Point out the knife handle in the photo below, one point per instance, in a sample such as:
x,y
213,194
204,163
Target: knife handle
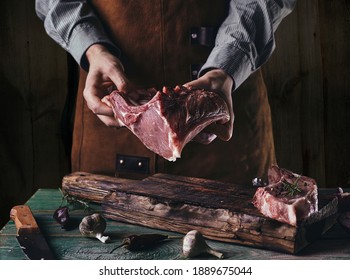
x,y
24,220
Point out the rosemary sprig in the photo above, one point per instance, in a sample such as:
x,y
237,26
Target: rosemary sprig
x,y
291,188
75,203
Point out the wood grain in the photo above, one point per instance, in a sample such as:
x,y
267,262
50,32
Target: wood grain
x,y
312,98
283,80
308,86
93,190
335,42
24,220
294,78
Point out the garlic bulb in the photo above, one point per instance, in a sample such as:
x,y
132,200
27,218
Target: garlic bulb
x,y
94,226
194,245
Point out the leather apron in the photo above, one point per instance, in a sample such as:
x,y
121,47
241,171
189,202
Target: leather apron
x,y
159,48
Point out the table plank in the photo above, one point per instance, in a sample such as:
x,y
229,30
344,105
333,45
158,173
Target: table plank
x,y
335,244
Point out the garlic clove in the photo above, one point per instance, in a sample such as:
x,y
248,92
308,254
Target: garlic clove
x,y
94,226
215,253
194,244
103,239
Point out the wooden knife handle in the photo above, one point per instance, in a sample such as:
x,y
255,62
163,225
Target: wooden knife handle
x,y
24,220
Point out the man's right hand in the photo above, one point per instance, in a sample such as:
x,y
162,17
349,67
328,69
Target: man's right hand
x,y
218,81
105,71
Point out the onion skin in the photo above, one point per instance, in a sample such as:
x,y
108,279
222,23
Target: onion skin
x,y
61,215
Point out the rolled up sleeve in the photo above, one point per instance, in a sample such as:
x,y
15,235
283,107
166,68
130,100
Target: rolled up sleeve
x,y
245,39
74,26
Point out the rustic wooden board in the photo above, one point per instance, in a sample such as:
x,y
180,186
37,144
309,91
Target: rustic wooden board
x,y
220,210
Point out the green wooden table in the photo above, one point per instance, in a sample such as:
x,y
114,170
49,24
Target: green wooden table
x,y
335,244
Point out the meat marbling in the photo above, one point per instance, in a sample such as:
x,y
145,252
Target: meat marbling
x,y
289,198
171,117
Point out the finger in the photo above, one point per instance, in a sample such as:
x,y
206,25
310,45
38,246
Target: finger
x,y
196,84
110,121
95,104
223,131
140,96
118,77
204,137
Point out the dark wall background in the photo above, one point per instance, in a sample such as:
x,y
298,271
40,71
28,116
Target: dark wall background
x,y
309,89
307,78
33,88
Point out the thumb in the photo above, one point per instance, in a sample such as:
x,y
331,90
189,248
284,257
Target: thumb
x,y
196,84
117,76
223,131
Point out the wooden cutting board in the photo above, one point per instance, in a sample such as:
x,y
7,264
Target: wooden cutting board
x,y
220,210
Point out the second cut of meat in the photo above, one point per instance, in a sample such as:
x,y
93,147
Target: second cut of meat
x,y
289,198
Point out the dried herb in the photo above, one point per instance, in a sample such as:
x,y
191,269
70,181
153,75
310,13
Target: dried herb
x,y
291,188
75,203
61,214
143,241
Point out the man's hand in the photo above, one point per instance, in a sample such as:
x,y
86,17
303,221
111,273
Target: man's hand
x,y
218,81
105,71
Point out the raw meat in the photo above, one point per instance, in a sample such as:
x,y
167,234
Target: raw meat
x,y
171,118
288,197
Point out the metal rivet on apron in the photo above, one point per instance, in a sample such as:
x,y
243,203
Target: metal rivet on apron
x,y
132,164
204,36
194,70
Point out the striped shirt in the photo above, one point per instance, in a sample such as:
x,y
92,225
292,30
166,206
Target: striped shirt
x,y
244,41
